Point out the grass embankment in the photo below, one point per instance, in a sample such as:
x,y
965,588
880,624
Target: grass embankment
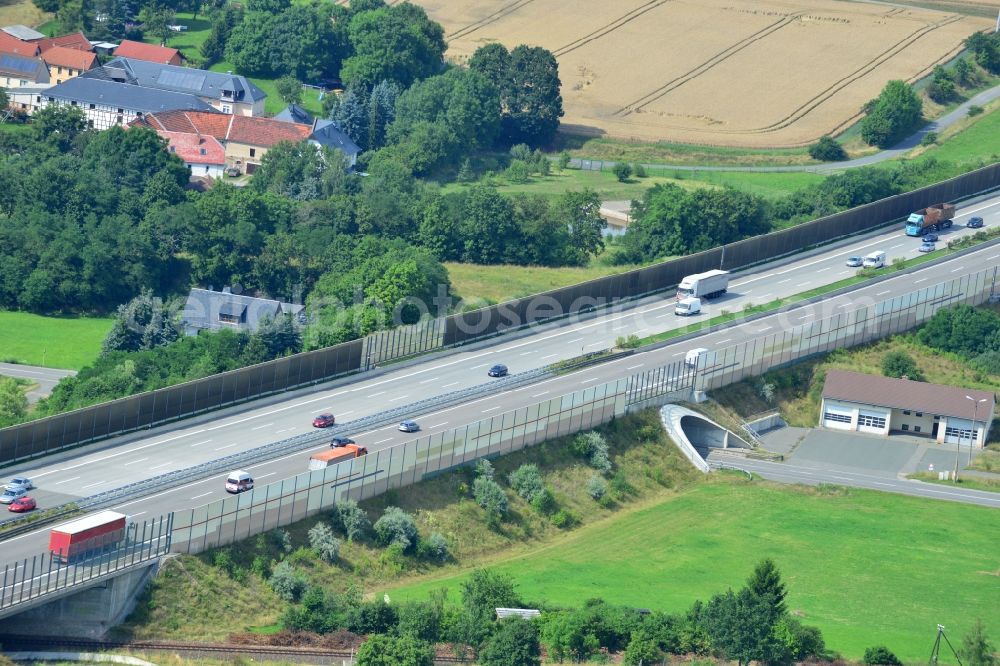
x,y
178,606
967,482
22,12
865,567
55,342
496,284
797,388
665,152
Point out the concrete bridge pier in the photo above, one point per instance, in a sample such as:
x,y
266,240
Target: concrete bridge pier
x,y
89,613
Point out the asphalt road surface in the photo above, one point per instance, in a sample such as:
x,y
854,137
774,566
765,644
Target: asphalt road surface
x,y
111,464
44,379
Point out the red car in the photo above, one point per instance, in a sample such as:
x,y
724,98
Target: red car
x,y
22,504
323,421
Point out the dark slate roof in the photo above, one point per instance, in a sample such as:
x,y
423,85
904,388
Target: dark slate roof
x,y
24,67
188,80
293,113
204,306
84,90
937,399
326,133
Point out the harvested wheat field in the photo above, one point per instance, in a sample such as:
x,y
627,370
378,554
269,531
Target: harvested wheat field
x,y
748,73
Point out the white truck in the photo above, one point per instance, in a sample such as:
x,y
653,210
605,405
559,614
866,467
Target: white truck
x,y
703,285
687,307
875,260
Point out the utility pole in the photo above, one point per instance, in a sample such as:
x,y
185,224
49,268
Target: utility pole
x,y
975,417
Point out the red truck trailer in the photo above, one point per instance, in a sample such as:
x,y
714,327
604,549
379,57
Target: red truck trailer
x,y
85,535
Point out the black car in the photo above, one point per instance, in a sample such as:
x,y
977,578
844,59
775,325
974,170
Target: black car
x,y
974,222
930,238
341,441
498,370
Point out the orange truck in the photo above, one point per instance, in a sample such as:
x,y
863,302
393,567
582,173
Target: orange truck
x,y
335,455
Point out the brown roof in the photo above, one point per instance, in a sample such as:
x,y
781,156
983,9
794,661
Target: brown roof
x,y
905,394
195,149
74,40
250,130
11,44
62,56
149,52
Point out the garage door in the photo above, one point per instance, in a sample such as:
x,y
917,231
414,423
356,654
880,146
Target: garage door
x,y
841,418
959,432
872,422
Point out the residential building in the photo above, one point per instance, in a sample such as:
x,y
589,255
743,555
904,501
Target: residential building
x,y
881,405
23,78
23,33
13,45
74,40
206,309
225,92
109,103
203,154
324,132
246,139
149,52
64,62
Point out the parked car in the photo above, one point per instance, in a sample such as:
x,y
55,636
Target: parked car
x,y
324,421
340,441
22,504
10,495
974,222
20,482
409,426
854,262
930,238
498,370
233,172
927,247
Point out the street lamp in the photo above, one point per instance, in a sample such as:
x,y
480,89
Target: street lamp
x,y
975,415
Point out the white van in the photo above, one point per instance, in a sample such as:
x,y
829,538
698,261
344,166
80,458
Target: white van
x,y
688,306
691,358
238,481
875,260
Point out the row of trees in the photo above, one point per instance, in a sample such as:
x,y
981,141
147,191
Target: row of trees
x,y
972,333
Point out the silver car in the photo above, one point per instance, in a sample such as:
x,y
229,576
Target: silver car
x,y
409,426
11,495
854,261
19,482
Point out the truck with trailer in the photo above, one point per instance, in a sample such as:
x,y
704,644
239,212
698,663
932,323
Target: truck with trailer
x,y
86,536
335,455
703,285
932,218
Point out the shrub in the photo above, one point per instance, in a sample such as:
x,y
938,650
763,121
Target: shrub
x,y
434,547
372,617
638,170
526,481
899,364
827,150
354,519
622,171
521,151
975,110
484,469
597,487
563,519
323,541
544,502
929,139
592,445
491,497
564,160
396,527
280,539
631,342
286,582
620,487
383,650
518,172
880,656
420,619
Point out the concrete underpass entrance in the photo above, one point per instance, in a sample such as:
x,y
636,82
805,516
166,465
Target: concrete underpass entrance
x,y
696,435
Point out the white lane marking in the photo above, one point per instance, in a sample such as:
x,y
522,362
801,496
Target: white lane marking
x,y
569,342
958,269
663,315
133,515
346,413
228,446
278,432
166,464
400,397
528,352
893,247
492,409
264,476
677,354
452,384
264,425
132,462
820,270
843,305
428,381
995,256
920,280
549,356
883,293
124,453
590,379
538,395
722,342
91,485
59,483
376,394
887,485
204,441
382,441
633,367
476,367
438,425
203,495
784,281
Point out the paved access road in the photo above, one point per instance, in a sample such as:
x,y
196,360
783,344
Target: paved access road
x,y
45,379
83,472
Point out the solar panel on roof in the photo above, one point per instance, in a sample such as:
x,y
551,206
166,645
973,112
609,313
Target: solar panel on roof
x,y
15,64
183,80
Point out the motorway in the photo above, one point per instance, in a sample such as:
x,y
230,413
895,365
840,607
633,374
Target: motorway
x,y
111,464
790,472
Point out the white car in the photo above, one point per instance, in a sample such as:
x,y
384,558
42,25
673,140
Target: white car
x,y
19,483
11,495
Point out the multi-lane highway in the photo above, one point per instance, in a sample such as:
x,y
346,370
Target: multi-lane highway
x,y
111,464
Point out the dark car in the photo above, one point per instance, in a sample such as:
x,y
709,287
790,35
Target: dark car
x,y
22,504
341,441
930,238
324,421
974,222
498,370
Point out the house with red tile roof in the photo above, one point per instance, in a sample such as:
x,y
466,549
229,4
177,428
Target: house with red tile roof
x,y
149,52
74,40
202,153
65,63
14,46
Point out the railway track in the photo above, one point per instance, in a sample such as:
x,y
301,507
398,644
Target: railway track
x,y
305,655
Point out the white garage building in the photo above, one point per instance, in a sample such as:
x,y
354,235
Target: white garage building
x,y
880,405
